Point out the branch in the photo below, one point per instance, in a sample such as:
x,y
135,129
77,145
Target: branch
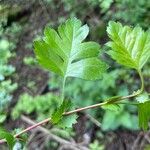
x,y
82,109
65,114
53,136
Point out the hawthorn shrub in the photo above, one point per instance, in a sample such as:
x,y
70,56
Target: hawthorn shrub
x,y
64,53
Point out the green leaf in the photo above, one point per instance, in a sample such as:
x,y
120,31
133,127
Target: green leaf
x,y
109,121
9,138
142,97
113,107
63,52
64,121
113,99
112,121
144,114
111,104
57,116
68,121
129,46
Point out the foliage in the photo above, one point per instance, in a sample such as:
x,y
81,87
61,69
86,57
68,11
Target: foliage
x,y
142,97
116,82
6,86
7,44
120,118
96,146
130,46
65,55
94,92
30,61
60,120
128,11
133,12
5,70
57,116
74,8
133,55
36,104
144,114
105,4
8,137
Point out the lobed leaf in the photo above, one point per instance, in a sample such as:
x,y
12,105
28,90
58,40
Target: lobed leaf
x,y
129,46
68,121
64,121
63,52
57,116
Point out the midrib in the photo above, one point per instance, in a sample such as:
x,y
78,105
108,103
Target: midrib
x,y
68,62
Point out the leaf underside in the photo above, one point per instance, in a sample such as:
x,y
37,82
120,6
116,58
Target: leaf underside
x,y
129,46
63,52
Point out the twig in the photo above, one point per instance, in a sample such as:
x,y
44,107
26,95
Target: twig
x,y
65,114
82,109
29,139
95,121
52,136
137,141
147,138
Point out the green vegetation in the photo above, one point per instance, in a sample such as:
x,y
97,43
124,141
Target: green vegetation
x,y
36,104
130,47
133,55
6,70
66,56
128,11
87,84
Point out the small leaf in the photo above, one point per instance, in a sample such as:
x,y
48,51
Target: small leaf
x,y
130,46
113,107
57,116
68,121
111,104
9,138
64,121
142,98
113,99
144,114
63,52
